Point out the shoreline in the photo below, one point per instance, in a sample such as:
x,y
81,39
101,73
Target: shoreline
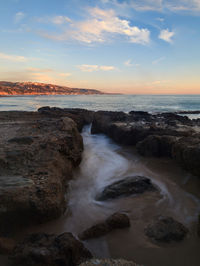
x,y
41,136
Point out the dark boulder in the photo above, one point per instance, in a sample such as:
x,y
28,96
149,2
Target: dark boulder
x,y
118,220
115,221
166,229
50,250
128,186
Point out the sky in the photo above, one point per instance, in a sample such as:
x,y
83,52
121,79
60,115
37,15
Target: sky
x,y
122,46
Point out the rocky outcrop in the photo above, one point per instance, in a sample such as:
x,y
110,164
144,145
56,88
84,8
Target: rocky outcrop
x,y
166,229
80,116
115,221
165,134
136,126
128,186
37,157
108,262
50,250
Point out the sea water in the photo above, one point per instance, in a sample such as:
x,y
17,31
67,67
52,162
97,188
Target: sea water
x,y
126,103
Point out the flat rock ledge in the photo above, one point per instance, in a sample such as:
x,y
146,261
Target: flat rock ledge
x,y
49,250
115,221
131,185
166,229
108,262
37,158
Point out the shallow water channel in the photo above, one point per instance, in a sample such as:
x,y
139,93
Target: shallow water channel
x,y
104,163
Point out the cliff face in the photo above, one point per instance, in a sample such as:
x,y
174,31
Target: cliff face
x,y
34,88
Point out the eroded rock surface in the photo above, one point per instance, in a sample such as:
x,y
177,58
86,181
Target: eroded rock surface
x,y
128,186
37,156
166,229
50,250
115,221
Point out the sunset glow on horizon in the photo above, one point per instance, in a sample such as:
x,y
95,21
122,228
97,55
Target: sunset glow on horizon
x,y
116,46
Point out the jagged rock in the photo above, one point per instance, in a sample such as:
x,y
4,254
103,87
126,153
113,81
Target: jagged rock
x,y
50,250
6,245
37,156
157,146
166,229
128,186
108,262
115,221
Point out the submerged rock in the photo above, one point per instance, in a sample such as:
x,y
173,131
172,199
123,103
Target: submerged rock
x,y
115,221
108,262
166,229
50,250
128,186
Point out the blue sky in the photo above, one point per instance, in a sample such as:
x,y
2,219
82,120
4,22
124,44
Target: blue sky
x,y
128,46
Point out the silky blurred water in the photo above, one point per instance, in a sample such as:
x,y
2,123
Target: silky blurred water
x,y
126,103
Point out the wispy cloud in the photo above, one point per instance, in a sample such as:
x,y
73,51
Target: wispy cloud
x,y
92,68
39,71
129,63
14,58
60,20
19,16
101,26
157,5
166,35
158,60
35,69
64,74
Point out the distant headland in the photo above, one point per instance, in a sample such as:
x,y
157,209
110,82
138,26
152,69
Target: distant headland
x,y
35,88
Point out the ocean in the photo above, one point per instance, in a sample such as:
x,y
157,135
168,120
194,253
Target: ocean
x,y
126,103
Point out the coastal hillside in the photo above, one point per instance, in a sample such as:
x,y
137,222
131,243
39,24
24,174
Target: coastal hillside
x,y
35,88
